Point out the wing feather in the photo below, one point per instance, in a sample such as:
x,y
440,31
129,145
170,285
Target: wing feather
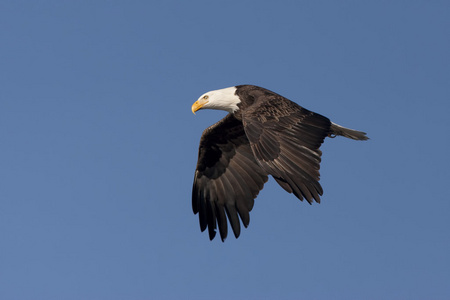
x,y
285,139
227,178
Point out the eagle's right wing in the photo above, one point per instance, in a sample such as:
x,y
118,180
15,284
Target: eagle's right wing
x,y
227,178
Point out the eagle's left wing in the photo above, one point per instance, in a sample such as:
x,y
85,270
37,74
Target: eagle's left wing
x,y
285,140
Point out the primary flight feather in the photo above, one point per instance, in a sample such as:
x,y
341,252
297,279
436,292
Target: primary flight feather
x,y
263,134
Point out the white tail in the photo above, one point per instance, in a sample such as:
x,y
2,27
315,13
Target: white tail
x,y
348,133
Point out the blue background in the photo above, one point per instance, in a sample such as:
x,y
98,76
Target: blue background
x,y
98,148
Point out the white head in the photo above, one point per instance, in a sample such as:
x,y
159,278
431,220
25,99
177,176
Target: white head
x,y
224,99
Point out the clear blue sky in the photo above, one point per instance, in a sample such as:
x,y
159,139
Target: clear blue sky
x,y
98,147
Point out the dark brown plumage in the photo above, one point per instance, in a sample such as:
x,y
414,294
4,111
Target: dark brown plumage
x,y
265,134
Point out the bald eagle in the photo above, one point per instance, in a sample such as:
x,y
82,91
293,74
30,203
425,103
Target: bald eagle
x,y
263,134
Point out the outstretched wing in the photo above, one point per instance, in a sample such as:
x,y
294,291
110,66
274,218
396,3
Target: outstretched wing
x,y
285,139
227,178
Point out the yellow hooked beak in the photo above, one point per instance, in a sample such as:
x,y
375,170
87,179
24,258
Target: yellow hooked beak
x,y
198,105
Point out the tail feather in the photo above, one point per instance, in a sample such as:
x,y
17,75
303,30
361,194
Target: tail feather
x,y
347,132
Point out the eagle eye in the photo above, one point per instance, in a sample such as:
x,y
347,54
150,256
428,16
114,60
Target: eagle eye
x,y
206,97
